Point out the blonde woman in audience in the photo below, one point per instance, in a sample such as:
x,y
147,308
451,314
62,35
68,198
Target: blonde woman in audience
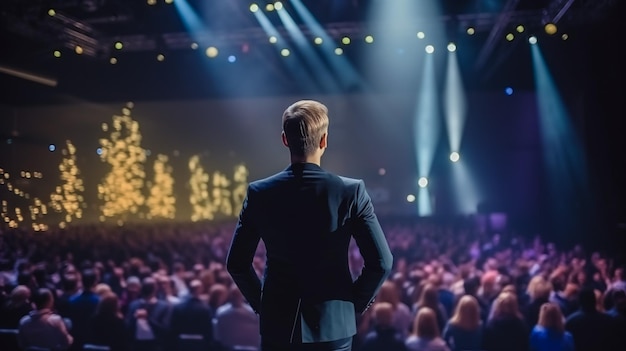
x,y
430,298
425,335
506,329
464,331
401,318
549,334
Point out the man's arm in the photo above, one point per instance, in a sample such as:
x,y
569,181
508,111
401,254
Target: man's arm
x,y
241,254
373,246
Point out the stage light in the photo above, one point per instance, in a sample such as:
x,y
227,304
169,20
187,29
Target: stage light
x,y
338,51
78,49
471,31
382,171
99,151
510,37
212,52
232,58
550,28
564,36
429,49
422,182
273,39
52,147
113,60
520,29
169,1
57,53
410,198
318,41
254,8
532,40
508,91
119,45
51,12
421,35
369,39
345,41
151,2
160,57
452,47
455,157
269,7
285,52
278,5
194,46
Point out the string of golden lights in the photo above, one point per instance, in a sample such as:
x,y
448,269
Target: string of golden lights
x,y
161,201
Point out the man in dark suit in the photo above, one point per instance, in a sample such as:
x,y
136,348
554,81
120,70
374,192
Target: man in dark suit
x,y
306,218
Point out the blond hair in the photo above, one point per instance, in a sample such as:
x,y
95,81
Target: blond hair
x,y
506,306
467,313
304,124
383,314
550,317
425,324
389,293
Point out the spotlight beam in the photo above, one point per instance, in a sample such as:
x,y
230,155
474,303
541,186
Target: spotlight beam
x,y
310,56
340,65
454,103
302,76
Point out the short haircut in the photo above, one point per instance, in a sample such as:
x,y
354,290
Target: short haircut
x,y
304,124
89,278
42,298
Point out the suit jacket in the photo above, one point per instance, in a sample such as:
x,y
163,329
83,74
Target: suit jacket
x,y
306,218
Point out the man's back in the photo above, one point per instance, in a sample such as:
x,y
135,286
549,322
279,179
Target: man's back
x,y
306,217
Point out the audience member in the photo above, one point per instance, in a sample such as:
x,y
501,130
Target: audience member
x,y
147,319
106,326
425,336
384,337
464,331
191,323
506,329
236,324
591,329
549,334
42,328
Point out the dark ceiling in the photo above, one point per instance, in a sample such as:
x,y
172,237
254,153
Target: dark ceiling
x,y
29,36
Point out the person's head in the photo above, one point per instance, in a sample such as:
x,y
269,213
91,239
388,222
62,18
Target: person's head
x,y
389,293
550,317
425,324
505,306
102,289
467,313
383,315
305,128
148,288
133,286
218,295
471,285
235,296
539,289
89,279
108,305
196,288
587,299
43,299
429,297
20,294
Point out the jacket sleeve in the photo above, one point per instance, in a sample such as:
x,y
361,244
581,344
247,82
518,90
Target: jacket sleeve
x,y
241,254
373,246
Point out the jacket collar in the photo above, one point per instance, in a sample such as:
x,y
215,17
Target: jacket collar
x,y
303,166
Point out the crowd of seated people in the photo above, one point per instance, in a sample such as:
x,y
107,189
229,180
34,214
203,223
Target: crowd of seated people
x,y
164,287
